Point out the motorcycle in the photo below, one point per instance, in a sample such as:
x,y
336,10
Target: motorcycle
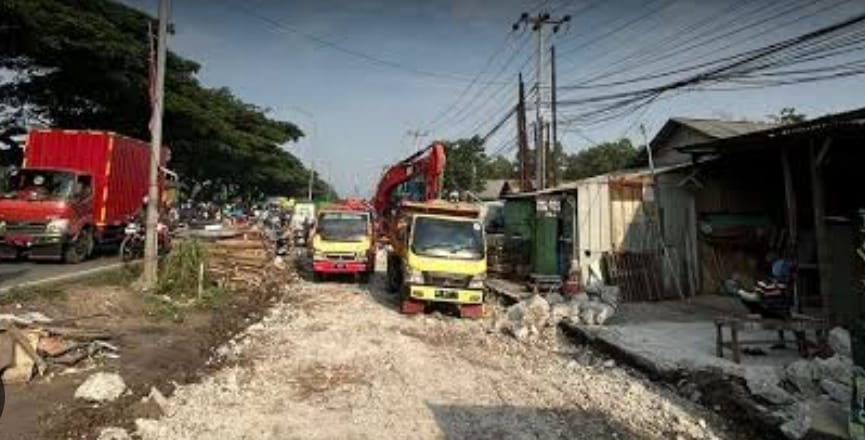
x,y
132,246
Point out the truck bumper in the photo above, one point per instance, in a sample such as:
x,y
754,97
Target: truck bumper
x,y
326,266
41,246
442,294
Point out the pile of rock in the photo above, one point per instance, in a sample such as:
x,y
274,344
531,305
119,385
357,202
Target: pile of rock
x,y
830,377
595,306
528,317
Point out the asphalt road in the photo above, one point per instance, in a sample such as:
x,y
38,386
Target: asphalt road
x,y
15,273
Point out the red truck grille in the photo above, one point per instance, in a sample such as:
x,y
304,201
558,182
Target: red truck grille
x,y
340,256
25,228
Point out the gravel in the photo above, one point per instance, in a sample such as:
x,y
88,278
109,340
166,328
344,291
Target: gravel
x,y
337,361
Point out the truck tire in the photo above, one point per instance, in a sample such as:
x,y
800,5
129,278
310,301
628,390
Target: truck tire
x,y
78,250
364,277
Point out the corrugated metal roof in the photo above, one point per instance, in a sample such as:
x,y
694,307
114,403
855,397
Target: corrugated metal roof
x,y
852,121
720,129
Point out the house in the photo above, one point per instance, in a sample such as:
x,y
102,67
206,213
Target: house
x,y
679,132
495,189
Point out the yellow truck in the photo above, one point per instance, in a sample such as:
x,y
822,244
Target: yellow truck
x,y
437,256
342,242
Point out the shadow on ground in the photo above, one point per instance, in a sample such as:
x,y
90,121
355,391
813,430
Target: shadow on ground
x,y
513,422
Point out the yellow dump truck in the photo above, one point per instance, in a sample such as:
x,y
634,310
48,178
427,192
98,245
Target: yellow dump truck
x,y
437,256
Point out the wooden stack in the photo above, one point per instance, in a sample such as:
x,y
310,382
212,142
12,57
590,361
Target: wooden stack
x,y
239,261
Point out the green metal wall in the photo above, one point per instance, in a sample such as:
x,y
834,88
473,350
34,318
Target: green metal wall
x,y
546,241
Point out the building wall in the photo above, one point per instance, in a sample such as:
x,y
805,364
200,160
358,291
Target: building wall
x,y
666,154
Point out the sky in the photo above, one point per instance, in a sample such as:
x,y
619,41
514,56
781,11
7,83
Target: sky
x,y
359,75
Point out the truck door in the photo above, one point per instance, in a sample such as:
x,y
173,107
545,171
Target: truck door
x,y
82,202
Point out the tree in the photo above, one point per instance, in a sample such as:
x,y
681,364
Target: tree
x,y
465,165
788,115
84,64
600,159
499,167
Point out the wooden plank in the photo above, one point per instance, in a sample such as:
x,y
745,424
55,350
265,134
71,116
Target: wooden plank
x,y
824,263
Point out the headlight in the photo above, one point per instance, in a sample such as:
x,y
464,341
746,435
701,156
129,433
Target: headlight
x,y
477,281
361,256
318,255
413,276
2,227
58,226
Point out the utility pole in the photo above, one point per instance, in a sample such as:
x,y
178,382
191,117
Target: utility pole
x,y
538,24
149,275
522,137
554,119
417,135
311,180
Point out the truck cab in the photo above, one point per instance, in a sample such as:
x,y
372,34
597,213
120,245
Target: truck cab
x,y
47,212
439,257
342,243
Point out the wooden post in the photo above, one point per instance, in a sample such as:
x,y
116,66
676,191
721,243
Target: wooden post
x,y
824,263
792,219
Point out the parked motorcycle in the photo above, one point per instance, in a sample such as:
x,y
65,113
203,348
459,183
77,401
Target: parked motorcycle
x,y
132,246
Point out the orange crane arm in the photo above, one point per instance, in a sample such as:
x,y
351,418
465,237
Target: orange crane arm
x,y
428,163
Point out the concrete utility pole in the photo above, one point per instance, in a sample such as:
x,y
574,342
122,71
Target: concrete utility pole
x,y
538,23
149,276
417,135
311,181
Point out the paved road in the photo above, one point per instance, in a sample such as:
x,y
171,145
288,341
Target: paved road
x,y
15,273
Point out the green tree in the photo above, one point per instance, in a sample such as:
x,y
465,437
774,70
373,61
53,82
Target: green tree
x,y
600,159
84,64
499,167
788,115
464,165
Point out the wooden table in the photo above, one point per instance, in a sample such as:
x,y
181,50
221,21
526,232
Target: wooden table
x,y
798,324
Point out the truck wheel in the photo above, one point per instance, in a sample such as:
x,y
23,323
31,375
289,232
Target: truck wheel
x,y
316,276
364,278
78,250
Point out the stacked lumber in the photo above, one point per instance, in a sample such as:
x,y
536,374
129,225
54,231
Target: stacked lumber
x,y
238,261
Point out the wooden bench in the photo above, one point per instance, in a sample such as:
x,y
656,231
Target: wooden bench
x,y
798,324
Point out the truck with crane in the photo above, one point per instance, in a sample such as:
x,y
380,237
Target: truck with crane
x,y
436,248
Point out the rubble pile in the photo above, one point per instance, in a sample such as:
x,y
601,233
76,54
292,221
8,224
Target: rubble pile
x,y
33,344
528,317
830,377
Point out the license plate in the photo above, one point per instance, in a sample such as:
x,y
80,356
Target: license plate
x,y
340,265
446,294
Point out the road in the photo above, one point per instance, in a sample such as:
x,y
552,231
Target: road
x,y
13,274
336,361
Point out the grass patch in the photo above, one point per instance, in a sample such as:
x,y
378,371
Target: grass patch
x,y
124,276
214,297
29,293
164,309
179,272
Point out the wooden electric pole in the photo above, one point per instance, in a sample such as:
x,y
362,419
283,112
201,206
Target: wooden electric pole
x,y
522,137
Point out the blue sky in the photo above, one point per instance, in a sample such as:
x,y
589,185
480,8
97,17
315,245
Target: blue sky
x,y
357,113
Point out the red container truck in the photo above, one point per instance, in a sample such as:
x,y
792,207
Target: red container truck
x,y
76,189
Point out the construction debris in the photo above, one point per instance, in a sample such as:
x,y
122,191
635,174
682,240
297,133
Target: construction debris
x,y
101,387
113,433
26,318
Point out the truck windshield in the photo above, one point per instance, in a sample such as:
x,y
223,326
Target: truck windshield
x,y
437,237
38,185
342,226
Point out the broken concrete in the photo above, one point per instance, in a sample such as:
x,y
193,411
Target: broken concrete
x,y
801,374
839,340
113,433
798,420
837,392
101,387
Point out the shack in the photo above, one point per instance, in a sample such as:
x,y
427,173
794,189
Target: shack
x,y
790,191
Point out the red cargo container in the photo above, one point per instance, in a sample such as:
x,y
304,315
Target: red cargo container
x,y
75,189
